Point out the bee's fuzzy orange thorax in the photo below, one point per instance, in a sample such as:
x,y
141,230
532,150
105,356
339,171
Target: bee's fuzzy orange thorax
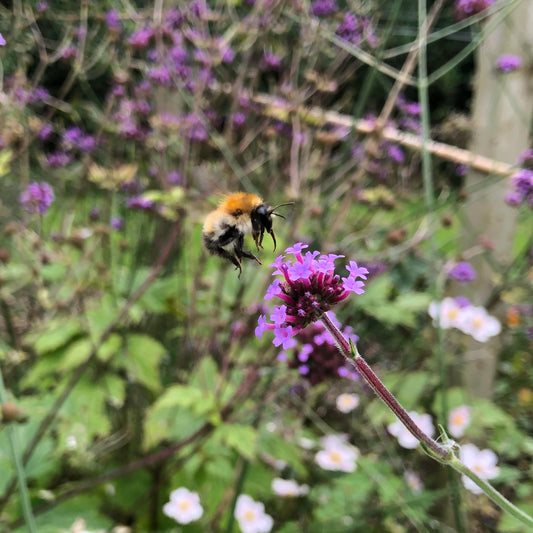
x,y
240,201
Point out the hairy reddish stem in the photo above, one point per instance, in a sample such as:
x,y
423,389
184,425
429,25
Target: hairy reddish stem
x,y
377,386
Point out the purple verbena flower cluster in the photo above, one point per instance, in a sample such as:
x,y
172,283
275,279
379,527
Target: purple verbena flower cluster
x,y
308,287
316,357
37,197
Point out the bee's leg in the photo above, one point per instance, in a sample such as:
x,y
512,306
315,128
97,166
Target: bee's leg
x,y
215,248
241,252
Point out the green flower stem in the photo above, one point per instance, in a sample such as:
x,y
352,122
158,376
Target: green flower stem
x,y
444,454
492,493
14,446
437,451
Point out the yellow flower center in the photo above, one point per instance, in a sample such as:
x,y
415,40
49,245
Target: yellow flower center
x,y
335,456
458,419
477,322
452,314
184,505
249,515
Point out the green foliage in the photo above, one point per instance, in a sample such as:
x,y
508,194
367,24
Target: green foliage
x,y
400,310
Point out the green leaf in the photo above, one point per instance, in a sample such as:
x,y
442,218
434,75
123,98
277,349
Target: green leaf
x,y
64,515
170,424
84,413
75,354
109,347
178,396
58,332
205,375
400,311
142,357
102,317
53,272
241,438
282,449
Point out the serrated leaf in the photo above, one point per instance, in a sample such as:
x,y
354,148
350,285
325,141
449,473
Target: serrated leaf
x,y
109,347
101,317
75,354
241,438
282,449
57,334
142,357
178,396
170,423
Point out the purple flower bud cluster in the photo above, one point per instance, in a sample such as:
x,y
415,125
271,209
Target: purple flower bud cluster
x,y
37,197
316,357
308,287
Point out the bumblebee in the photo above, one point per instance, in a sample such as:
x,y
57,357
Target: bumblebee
x,y
238,214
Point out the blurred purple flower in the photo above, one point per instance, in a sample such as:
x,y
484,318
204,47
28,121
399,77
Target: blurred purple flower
x,y
349,29
198,8
160,75
174,177
196,131
462,301
117,223
354,29
238,119
112,20
513,198
140,202
526,159
466,8
463,272
45,132
57,159
39,94
2,40
141,38
270,61
37,197
74,137
42,6
94,213
508,63
395,153
522,181
323,8
69,52
461,169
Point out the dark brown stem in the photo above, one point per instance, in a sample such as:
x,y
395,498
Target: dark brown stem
x,y
438,451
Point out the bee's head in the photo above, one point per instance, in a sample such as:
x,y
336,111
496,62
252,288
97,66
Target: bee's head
x,y
262,221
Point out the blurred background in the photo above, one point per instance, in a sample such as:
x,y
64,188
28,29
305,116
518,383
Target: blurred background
x,y
129,362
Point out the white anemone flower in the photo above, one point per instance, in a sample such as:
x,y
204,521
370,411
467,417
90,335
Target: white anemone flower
x,y
251,515
184,506
482,462
405,439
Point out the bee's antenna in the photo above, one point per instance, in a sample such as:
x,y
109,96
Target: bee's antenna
x,y
272,209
